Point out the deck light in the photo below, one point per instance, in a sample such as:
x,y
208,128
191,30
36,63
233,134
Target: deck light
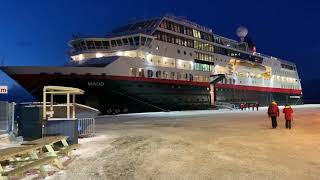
x,y
99,55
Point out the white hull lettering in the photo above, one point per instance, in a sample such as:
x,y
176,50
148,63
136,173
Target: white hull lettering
x,y
96,84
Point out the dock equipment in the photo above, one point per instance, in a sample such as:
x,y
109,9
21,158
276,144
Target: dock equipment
x,y
35,155
60,90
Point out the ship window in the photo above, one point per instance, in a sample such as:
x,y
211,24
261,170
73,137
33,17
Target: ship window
x,y
150,73
98,44
148,42
172,75
190,77
143,41
131,41
90,44
133,72
165,75
76,46
113,43
178,76
158,74
83,45
119,43
136,40
106,44
125,41
141,72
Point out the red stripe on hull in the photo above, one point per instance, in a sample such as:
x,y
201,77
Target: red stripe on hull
x,y
28,77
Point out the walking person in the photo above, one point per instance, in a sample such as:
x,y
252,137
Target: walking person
x,y
288,115
241,106
257,106
273,112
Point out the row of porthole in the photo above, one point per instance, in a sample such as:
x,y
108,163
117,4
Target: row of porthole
x,y
184,52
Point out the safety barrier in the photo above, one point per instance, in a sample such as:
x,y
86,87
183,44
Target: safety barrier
x,y
225,105
86,126
6,117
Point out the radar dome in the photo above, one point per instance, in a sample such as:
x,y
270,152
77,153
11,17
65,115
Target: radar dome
x,y
242,32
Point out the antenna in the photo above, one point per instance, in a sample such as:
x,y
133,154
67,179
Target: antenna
x,y
242,32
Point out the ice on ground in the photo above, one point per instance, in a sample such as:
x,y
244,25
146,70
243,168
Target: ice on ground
x,y
201,145
9,140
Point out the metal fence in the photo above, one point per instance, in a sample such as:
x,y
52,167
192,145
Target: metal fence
x,y
6,117
86,126
225,105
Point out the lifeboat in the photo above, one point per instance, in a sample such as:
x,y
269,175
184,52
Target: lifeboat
x,y
248,67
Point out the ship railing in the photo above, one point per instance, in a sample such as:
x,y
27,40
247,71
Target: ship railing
x,y
275,58
189,23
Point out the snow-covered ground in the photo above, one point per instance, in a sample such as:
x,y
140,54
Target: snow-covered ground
x,y
200,145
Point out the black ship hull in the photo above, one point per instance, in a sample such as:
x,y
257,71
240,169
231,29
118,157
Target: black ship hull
x,y
118,94
122,95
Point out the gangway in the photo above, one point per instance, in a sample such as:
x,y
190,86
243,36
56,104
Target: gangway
x,y
214,79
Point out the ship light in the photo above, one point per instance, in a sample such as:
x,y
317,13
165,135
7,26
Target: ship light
x,y
148,56
80,57
99,55
165,60
119,53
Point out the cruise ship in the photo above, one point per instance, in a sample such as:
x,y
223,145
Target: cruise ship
x,y
164,64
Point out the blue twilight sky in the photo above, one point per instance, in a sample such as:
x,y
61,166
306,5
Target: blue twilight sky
x,y
36,32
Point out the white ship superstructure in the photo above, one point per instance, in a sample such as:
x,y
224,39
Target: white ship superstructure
x,y
166,63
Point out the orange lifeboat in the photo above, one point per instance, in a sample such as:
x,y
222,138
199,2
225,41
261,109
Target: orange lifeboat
x,y
248,67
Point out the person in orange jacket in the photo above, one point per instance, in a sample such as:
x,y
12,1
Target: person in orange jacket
x,y
273,112
288,115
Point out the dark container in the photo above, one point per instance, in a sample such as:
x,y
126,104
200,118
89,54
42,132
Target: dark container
x,y
63,127
30,125
29,122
